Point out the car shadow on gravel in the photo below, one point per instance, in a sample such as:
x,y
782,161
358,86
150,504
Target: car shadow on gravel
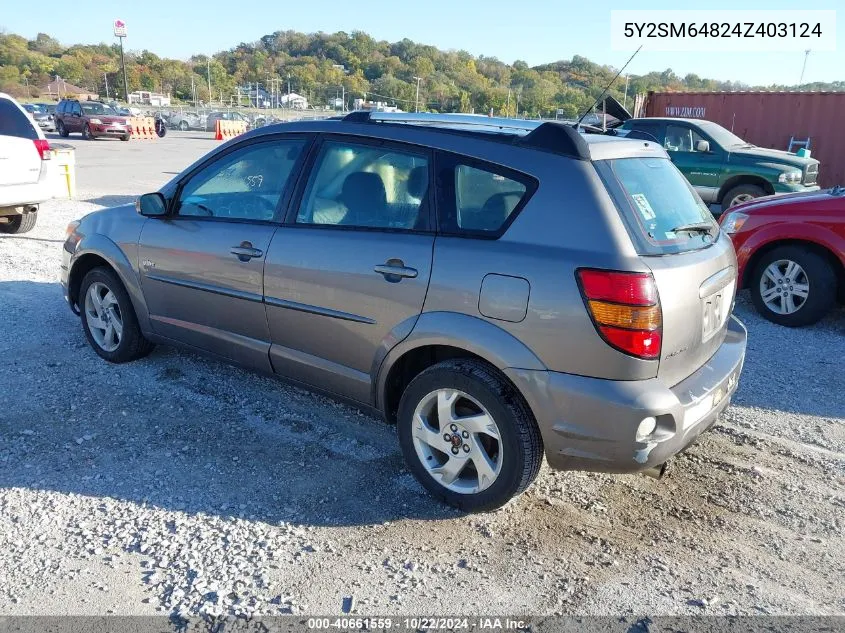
x,y
795,370
187,434
112,201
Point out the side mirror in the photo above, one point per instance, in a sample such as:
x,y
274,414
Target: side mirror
x,y
151,205
702,146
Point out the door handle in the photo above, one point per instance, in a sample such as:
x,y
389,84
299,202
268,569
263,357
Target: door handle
x,y
394,270
245,251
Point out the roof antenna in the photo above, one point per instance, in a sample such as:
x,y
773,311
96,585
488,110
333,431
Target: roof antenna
x,y
604,92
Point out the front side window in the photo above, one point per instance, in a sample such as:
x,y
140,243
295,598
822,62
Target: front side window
x,y
366,186
246,184
680,138
479,199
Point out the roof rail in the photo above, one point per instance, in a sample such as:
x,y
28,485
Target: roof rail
x,y
549,136
427,118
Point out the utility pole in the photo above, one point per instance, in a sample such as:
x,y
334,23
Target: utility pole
x,y
193,92
289,86
106,81
508,109
804,67
123,65
417,101
343,98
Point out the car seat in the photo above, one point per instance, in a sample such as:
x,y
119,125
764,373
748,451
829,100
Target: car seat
x,y
365,198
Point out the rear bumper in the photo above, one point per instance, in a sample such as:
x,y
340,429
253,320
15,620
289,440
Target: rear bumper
x,y
591,423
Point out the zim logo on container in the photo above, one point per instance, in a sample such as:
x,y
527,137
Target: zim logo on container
x,y
687,112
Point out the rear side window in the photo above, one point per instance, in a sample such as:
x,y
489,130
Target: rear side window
x,y
13,122
367,186
479,199
655,201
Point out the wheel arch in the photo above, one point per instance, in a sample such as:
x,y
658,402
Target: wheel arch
x,y
820,249
744,179
98,250
439,336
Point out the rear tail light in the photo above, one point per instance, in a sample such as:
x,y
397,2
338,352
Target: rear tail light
x,y
625,309
43,148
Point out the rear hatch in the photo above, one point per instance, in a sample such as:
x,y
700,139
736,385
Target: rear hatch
x,y
693,263
20,162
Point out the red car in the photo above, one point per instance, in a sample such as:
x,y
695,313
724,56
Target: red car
x,y
790,251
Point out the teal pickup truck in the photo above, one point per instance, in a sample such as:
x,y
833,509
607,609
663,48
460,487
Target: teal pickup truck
x,y
723,168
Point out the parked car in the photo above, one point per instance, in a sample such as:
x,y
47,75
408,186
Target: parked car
x,y
43,119
791,254
92,119
723,168
24,168
186,121
499,296
213,117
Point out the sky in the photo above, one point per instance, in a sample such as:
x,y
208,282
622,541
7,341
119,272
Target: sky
x,y
536,31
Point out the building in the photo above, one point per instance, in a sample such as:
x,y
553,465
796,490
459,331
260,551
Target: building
x,y
144,97
293,100
59,89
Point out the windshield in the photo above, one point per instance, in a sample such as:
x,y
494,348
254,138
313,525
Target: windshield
x,y
656,203
722,136
97,108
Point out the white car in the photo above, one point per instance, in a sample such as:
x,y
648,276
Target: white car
x,y
24,170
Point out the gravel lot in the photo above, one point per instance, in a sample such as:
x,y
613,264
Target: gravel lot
x,y
180,485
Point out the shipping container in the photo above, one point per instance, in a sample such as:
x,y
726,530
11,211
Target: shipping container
x,y
769,119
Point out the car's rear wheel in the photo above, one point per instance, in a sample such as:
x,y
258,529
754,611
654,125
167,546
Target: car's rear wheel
x,y
467,436
183,125
61,129
86,133
108,318
740,194
19,223
793,286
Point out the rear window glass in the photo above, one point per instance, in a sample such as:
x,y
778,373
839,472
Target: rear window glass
x,y
13,122
656,202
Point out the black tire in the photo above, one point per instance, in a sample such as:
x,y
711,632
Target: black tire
x,y
86,133
125,137
20,223
62,130
183,125
752,191
820,277
522,445
132,344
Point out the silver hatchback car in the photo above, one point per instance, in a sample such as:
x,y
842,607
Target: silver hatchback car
x,y
501,290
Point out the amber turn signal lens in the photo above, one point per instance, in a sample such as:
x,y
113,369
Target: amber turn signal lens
x,y
629,317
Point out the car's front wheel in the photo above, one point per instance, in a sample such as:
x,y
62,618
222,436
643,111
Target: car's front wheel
x,y
740,194
793,286
183,125
108,318
62,130
467,436
86,133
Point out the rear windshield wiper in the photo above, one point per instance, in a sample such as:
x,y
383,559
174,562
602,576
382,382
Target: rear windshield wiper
x,y
695,227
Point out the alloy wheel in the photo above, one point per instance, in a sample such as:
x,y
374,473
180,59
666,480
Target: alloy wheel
x,y
102,314
457,441
784,286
